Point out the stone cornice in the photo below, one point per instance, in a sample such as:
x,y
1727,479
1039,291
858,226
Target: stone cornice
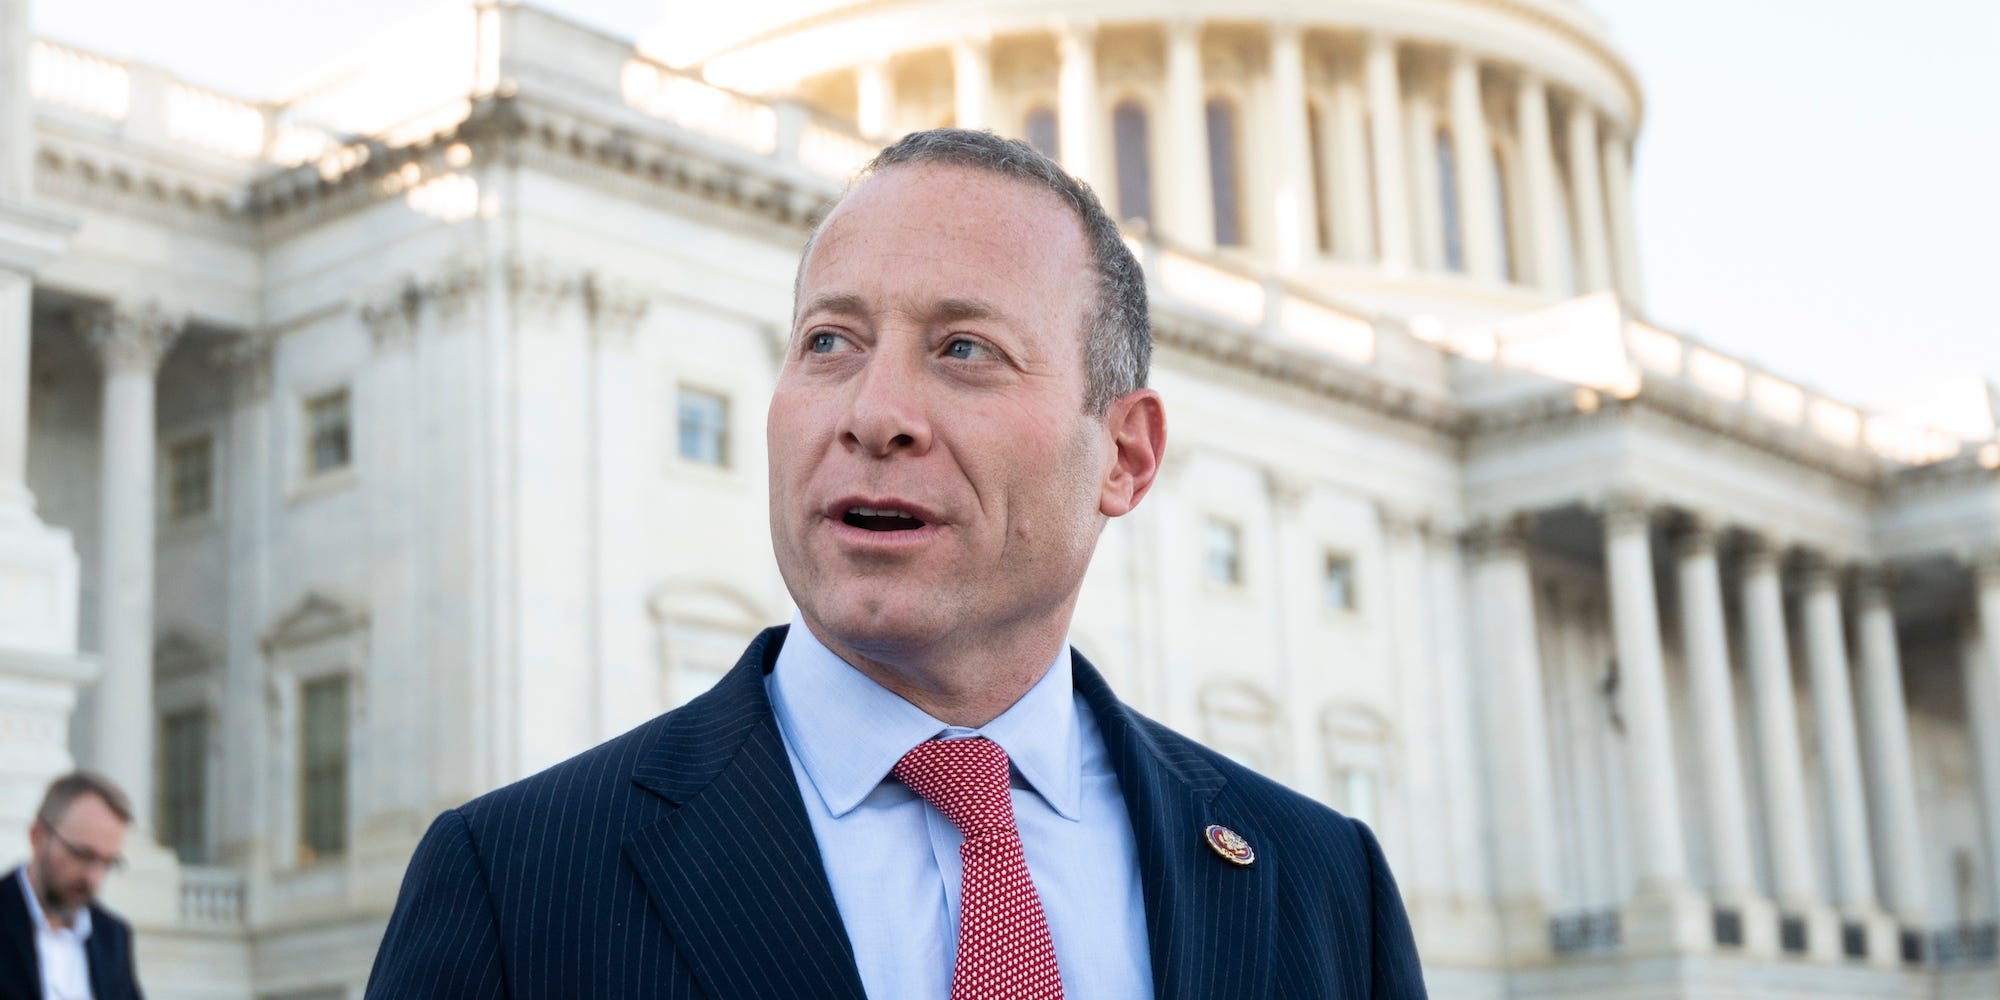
x,y
1556,411
1253,352
78,163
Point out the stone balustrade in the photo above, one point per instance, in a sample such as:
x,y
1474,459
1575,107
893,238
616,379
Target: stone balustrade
x,y
211,897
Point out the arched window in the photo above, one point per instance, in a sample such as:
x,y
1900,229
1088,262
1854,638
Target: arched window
x,y
1135,166
1043,133
1222,172
1448,207
1322,198
1242,722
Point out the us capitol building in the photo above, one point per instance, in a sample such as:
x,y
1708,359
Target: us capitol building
x,y
366,450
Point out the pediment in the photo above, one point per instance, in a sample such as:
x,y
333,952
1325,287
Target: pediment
x,y
316,617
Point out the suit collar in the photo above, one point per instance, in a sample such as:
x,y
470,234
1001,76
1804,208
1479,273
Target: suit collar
x,y
1210,924
737,877
734,871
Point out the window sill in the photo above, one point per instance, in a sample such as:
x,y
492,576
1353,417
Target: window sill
x,y
324,484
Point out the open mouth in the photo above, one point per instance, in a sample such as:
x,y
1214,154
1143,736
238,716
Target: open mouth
x,y
874,519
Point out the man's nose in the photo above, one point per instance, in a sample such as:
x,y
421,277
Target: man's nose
x,y
888,409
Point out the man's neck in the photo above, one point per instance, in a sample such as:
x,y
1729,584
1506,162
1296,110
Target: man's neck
x,y
958,687
51,913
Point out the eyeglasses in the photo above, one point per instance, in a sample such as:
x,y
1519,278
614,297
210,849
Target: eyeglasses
x,y
84,855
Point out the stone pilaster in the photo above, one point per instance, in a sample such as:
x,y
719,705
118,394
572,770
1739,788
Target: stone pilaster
x,y
1586,190
1542,221
972,82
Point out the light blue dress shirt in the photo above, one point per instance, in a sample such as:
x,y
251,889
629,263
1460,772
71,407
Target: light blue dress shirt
x,y
893,859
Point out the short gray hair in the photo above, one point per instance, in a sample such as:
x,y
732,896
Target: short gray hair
x,y
1118,335
67,789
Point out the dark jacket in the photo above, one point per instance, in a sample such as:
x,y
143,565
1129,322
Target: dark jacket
x,y
108,949
678,861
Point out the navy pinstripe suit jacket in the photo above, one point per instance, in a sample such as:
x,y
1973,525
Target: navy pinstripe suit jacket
x,y
677,861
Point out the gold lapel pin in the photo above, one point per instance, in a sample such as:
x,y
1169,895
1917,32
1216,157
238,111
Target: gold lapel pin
x,y
1230,845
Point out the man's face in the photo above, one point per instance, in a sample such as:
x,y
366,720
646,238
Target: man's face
x,y
72,854
934,477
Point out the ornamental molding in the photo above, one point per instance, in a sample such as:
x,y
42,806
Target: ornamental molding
x,y
614,308
394,314
131,339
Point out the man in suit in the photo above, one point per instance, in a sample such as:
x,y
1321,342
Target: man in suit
x,y
60,943
917,789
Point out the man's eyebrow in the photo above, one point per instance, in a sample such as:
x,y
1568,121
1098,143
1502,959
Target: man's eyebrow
x,y
954,309
840,303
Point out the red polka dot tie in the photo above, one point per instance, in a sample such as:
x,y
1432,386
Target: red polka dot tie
x,y
1004,951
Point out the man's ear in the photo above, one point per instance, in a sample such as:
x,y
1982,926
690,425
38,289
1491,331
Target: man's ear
x,y
1137,423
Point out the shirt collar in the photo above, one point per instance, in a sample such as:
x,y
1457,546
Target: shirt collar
x,y
856,729
80,926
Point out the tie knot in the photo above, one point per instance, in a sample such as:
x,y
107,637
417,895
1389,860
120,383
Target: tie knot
x,y
965,779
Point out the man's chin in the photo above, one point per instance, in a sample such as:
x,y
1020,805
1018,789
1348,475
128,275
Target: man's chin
x,y
876,628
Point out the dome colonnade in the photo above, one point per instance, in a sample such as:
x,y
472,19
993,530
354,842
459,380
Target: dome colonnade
x,y
1481,138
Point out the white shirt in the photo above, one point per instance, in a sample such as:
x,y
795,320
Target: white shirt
x,y
65,968
893,860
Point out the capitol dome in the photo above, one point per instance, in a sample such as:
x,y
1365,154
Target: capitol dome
x,y
1464,158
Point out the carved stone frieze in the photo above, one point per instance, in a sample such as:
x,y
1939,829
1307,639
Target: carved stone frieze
x,y
246,361
131,339
614,308
394,315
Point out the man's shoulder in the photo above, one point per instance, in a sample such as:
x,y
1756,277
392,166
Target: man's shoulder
x,y
694,736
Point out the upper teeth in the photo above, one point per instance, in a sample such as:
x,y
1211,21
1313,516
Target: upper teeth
x,y
872,512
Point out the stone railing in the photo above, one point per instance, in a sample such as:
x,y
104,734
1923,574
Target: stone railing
x,y
1593,342
211,897
1236,292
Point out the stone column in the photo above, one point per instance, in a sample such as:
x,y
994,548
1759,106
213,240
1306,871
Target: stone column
x,y
1587,200
1885,736
1427,211
130,345
1472,158
1986,584
874,98
1979,649
1840,753
1779,759
971,82
1295,213
1190,211
1540,218
1662,915
1472,921
1660,853
247,493
1385,123
1428,884
1519,773
1705,644
1076,95
1624,231
1353,216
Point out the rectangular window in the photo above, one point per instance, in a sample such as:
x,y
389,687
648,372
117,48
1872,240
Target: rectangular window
x,y
184,788
191,478
329,433
1338,582
704,427
323,769
1222,552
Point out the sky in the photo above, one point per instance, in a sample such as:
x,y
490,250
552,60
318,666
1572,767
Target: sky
x,y
1817,181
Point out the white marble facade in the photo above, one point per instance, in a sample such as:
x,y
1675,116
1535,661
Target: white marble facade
x,y
356,421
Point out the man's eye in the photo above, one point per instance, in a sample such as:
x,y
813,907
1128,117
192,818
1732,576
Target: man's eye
x,y
967,350
824,343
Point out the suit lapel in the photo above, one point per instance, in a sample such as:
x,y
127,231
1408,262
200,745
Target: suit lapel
x,y
20,964
1211,924
105,982
734,871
